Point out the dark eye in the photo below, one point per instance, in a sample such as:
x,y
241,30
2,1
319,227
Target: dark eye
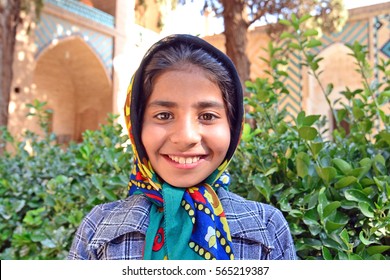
x,y
163,116
208,117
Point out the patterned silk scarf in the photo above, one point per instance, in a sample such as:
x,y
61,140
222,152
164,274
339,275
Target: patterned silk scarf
x,y
185,223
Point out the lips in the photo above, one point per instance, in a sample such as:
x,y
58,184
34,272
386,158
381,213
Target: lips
x,y
184,160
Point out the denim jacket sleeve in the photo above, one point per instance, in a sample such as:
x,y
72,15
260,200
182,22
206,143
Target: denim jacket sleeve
x,y
84,235
259,231
112,231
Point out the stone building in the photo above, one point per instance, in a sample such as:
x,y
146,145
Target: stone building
x,y
81,54
78,58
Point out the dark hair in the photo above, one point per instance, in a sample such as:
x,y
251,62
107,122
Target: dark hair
x,y
180,57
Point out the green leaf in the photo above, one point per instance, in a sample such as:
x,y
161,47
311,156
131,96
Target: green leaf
x,y
379,158
294,19
285,22
330,208
309,243
355,257
315,229
342,256
61,179
365,162
310,32
117,181
311,217
37,237
322,197
341,164
288,153
18,205
345,182
344,236
358,196
310,120
304,18
333,244
263,185
316,147
326,253
286,35
308,133
329,89
322,202
296,213
303,162
48,243
340,115
313,43
97,180
326,173
380,184
366,209
364,240
385,136
357,112
300,119
295,46
331,226
271,171
110,195
359,172
33,217
246,132
377,249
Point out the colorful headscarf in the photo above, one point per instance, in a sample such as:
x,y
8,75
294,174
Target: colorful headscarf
x,y
185,223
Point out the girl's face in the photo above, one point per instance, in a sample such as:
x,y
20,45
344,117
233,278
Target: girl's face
x,y
185,129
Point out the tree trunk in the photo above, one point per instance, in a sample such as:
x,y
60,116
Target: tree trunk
x,y
9,19
236,27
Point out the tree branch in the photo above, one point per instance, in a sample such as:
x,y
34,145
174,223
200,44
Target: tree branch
x,y
260,12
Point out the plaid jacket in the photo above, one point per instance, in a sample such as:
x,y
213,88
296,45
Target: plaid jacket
x,y
116,230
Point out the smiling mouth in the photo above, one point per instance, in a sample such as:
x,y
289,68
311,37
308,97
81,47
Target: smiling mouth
x,y
185,160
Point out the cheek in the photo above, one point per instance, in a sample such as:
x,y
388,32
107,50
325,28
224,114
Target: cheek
x,y
220,139
152,137
147,137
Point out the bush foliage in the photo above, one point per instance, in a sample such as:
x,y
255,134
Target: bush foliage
x,y
334,193
46,189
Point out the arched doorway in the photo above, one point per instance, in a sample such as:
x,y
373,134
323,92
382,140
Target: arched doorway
x,y
73,81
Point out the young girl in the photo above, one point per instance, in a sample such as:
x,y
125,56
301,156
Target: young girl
x,y
184,114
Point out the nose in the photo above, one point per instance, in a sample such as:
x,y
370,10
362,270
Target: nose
x,y
186,133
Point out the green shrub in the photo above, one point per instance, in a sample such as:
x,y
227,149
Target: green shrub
x,y
46,189
335,194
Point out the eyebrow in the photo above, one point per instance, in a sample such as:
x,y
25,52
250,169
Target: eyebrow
x,y
162,103
199,105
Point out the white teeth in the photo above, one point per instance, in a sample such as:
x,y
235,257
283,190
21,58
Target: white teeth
x,y
184,160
